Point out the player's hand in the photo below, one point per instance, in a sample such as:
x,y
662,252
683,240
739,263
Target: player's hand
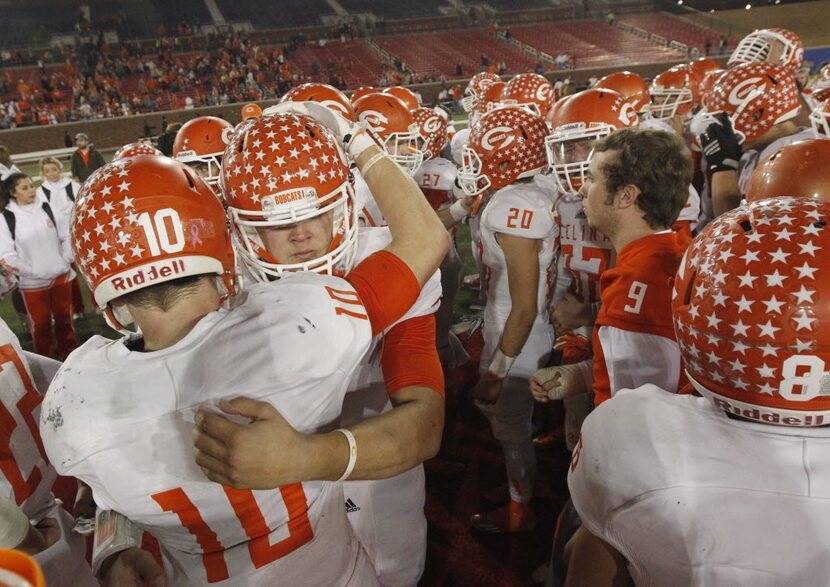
x,y
571,313
263,454
488,389
343,129
720,145
132,568
557,383
40,537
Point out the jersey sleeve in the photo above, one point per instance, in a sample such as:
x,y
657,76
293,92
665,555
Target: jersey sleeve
x,y
386,287
409,356
507,213
633,359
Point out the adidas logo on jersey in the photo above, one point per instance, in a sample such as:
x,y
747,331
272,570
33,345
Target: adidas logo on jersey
x,y
351,506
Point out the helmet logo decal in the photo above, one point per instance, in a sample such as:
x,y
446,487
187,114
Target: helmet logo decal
x,y
543,92
628,115
227,133
497,138
377,122
741,91
432,124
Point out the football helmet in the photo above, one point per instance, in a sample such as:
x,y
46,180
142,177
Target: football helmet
x,y
798,169
251,111
490,99
362,91
779,47
705,86
432,128
281,170
530,90
203,140
671,93
393,125
328,96
475,89
141,221
756,96
133,149
405,95
823,79
820,115
505,145
697,73
584,118
630,86
750,312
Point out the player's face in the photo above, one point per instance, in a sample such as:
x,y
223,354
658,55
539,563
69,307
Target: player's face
x,y
594,191
24,192
201,168
51,172
300,242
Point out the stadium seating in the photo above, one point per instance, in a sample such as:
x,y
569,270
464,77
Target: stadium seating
x,y
394,9
269,14
440,52
357,64
672,29
592,44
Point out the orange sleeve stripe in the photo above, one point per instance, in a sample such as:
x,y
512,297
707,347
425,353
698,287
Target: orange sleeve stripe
x,y
409,357
386,286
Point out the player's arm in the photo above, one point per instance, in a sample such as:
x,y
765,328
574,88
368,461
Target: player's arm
x,y
385,445
522,258
723,152
726,194
592,561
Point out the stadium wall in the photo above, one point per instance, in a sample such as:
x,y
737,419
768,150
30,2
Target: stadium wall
x,y
110,133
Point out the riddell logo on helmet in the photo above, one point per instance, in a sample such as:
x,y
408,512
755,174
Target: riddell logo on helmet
x,y
377,122
183,154
147,275
497,138
761,415
740,92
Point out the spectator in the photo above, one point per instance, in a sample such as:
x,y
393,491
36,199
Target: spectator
x,y
722,43
707,46
67,140
539,68
7,167
610,18
35,243
60,192
166,139
459,70
85,159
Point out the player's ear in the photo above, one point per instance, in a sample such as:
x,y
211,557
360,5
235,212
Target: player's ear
x,y
627,195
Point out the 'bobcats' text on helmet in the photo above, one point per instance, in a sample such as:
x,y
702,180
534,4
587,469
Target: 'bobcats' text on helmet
x,y
392,123
751,313
798,169
142,221
281,170
757,96
779,47
505,145
584,118
200,142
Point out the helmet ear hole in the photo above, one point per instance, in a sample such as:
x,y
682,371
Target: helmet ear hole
x,y
189,175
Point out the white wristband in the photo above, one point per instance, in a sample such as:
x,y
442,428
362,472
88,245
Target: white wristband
x,y
458,211
372,160
352,453
359,143
501,363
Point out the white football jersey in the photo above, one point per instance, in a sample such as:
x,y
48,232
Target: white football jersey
x,y
585,252
523,210
25,473
751,159
691,497
121,421
435,177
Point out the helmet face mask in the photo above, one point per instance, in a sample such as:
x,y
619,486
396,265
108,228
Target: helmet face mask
x,y
277,184
470,176
394,128
778,47
569,154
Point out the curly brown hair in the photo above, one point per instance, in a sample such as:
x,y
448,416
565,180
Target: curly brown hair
x,y
657,163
